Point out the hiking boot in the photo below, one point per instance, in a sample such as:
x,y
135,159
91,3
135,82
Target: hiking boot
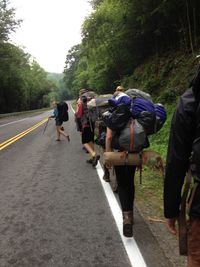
x,y
106,175
89,160
128,223
95,160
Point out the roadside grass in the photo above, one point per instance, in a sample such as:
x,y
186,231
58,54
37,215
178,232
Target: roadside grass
x,y
21,113
149,194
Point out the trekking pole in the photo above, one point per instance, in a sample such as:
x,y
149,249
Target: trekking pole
x,y
46,125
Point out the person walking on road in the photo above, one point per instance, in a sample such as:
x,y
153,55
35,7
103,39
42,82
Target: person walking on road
x,y
58,120
183,157
87,129
126,188
125,181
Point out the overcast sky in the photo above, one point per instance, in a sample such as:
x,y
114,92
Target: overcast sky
x,y
49,29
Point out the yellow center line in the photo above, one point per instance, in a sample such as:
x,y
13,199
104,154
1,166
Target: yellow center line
x,y
20,135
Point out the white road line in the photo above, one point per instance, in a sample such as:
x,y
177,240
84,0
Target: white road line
x,y
12,122
130,244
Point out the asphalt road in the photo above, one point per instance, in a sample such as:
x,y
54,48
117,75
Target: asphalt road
x,y
53,210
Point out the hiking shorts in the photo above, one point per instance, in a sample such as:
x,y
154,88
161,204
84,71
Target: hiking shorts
x,y
87,135
58,122
194,242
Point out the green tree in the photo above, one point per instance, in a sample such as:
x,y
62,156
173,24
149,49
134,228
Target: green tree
x,y
8,23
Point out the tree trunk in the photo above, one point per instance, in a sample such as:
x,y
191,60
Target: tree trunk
x,y
189,27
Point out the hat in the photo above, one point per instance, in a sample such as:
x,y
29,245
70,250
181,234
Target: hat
x,y
120,88
82,91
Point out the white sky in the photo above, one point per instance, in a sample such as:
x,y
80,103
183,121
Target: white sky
x,y
49,29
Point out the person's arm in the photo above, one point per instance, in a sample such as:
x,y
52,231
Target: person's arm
x,y
179,149
55,114
108,147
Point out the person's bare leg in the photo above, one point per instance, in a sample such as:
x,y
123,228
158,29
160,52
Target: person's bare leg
x,y
94,157
89,149
64,134
91,145
58,133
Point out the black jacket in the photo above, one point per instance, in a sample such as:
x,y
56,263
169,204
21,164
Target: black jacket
x,y
182,134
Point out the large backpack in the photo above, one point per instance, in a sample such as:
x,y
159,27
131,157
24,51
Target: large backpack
x,y
151,116
63,111
89,109
98,106
132,138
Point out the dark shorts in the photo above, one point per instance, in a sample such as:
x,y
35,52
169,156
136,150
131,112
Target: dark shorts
x,y
58,122
87,135
194,242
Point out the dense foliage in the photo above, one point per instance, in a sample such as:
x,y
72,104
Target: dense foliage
x,y
120,35
23,83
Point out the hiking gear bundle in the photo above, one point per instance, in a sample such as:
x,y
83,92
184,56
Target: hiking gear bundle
x,y
132,118
118,118
100,133
148,158
119,98
141,107
63,111
132,138
97,106
151,116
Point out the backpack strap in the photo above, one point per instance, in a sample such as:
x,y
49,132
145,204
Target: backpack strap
x,y
182,217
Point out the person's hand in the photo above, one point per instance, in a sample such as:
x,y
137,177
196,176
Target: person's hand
x,y
171,224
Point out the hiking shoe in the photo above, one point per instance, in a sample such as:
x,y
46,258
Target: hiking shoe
x,y
128,230
128,223
106,175
89,160
95,160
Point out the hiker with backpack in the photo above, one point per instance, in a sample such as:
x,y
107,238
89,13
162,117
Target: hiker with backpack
x,y
87,128
125,181
60,114
183,159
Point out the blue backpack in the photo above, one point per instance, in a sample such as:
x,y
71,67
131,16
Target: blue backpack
x,y
117,100
161,116
151,116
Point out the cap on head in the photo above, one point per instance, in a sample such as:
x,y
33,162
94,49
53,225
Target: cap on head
x,y
82,91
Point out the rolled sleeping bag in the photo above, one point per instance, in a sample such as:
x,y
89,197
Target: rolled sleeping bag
x,y
149,158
